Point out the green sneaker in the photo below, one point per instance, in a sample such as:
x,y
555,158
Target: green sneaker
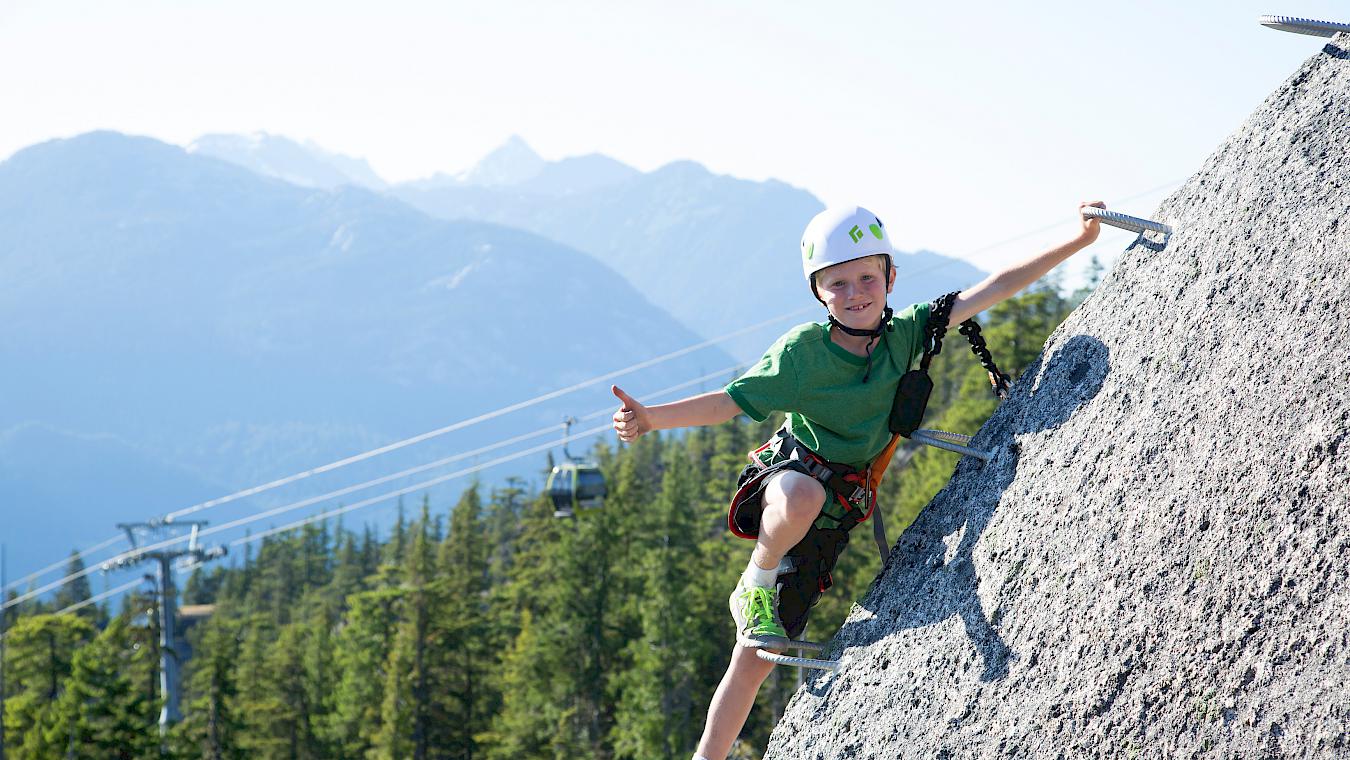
x,y
755,610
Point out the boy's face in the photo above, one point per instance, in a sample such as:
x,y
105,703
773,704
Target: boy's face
x,y
855,291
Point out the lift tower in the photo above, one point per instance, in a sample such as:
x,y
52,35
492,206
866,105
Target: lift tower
x,y
160,539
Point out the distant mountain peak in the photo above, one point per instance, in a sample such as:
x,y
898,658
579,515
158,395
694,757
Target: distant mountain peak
x,y
687,170
306,164
514,167
99,142
512,163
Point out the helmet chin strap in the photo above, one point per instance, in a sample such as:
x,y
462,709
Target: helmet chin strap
x,y
873,334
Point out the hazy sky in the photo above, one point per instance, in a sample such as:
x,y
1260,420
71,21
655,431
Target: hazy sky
x,y
961,124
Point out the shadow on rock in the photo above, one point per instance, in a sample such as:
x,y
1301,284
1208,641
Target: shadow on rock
x,y
930,575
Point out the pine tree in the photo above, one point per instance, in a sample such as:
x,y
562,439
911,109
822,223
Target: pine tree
x,y
314,560
253,682
141,609
543,671
277,577
282,715
363,646
402,718
502,528
349,571
321,671
656,713
533,715
101,713
406,713
77,590
211,727
579,580
370,551
398,543
204,586
39,651
465,659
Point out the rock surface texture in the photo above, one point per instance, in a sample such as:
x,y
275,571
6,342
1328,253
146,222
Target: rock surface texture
x,y
1155,563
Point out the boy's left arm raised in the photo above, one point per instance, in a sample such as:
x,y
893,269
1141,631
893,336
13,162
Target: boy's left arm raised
x,y
634,419
999,287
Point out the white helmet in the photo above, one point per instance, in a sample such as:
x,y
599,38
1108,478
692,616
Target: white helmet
x,y
842,233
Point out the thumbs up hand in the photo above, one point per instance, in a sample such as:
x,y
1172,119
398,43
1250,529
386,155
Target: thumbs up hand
x,y
631,420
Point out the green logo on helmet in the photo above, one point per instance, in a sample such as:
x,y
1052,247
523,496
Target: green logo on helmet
x,y
811,251
855,233
876,230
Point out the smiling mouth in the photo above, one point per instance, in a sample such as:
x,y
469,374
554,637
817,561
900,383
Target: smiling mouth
x,y
862,307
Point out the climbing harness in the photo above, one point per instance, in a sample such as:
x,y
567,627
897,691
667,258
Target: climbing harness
x,y
1304,25
805,571
1126,222
850,498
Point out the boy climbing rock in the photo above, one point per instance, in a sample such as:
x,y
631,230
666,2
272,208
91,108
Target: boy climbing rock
x,y
836,383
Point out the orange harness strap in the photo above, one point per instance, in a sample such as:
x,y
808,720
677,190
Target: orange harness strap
x,y
875,472
877,469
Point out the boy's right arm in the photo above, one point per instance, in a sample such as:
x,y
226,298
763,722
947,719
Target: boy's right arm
x,y
633,419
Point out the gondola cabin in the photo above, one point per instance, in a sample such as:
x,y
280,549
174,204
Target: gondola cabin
x,y
576,487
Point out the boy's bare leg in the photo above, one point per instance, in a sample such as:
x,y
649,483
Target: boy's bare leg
x,y
732,701
791,503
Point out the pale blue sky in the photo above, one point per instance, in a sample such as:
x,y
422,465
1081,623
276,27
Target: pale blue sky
x,y
961,124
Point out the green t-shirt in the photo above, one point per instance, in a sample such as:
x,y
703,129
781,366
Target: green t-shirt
x,y
819,386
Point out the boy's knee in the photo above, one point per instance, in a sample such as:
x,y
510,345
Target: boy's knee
x,y
801,496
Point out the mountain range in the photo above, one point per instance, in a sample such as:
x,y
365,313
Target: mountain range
x,y
716,252
213,327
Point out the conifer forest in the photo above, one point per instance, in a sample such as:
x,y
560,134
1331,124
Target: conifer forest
x,y
483,628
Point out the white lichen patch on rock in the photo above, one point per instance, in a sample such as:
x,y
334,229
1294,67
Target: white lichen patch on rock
x,y
1154,564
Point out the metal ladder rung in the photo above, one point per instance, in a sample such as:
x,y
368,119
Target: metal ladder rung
x,y
1125,221
800,662
778,642
1307,26
951,442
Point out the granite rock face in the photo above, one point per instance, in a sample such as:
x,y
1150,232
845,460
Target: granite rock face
x,y
1155,563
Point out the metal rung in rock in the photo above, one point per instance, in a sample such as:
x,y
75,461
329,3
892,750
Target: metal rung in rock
x,y
1126,222
951,442
1304,25
782,659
